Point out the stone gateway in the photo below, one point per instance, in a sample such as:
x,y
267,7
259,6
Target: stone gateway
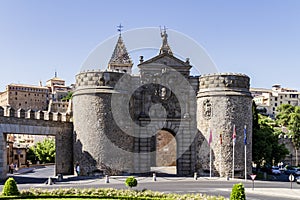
x,y
125,123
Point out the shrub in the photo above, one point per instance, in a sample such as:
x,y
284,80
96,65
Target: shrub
x,y
131,182
238,192
10,188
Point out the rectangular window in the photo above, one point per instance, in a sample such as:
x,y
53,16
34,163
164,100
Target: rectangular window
x,y
275,98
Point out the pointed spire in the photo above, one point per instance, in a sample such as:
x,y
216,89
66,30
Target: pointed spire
x,y
165,48
120,54
120,59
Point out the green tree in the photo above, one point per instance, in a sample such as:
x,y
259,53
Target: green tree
x,y
30,155
45,151
289,116
68,97
266,148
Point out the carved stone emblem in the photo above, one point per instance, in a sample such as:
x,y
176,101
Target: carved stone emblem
x,y
163,93
207,109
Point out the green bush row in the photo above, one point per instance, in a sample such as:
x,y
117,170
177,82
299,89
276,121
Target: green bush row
x,y
108,193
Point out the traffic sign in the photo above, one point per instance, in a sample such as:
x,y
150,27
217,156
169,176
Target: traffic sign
x,y
253,176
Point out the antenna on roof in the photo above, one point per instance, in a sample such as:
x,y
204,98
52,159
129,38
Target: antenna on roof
x,y
55,74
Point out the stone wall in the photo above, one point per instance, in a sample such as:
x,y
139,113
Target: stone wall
x,y
99,142
124,143
224,101
33,123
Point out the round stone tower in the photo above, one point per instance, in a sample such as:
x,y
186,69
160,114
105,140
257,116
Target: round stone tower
x,y
224,106
99,143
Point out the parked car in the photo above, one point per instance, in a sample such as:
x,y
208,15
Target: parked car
x,y
297,172
276,170
298,179
290,170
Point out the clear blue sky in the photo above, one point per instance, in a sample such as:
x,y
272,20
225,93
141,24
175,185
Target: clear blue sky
x,y
260,38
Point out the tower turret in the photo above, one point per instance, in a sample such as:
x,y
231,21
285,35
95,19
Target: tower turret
x,y
120,59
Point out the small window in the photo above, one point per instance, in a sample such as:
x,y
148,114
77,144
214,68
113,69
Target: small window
x,y
21,155
275,104
16,157
275,98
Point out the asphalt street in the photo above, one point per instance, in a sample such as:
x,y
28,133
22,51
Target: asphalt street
x,y
263,190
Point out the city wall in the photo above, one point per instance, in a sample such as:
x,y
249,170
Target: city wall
x,y
38,123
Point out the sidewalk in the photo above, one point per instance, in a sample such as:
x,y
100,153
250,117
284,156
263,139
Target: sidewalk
x,y
278,192
24,170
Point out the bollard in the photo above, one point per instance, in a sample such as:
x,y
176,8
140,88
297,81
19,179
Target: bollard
x,y
106,179
195,176
59,177
49,181
154,176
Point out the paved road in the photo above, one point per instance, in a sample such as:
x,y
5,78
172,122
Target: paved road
x,y
264,190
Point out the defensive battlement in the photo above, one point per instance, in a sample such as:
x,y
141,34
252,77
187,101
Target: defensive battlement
x,y
234,82
96,78
37,115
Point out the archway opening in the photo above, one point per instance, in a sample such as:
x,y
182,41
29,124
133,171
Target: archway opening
x,y
29,157
164,146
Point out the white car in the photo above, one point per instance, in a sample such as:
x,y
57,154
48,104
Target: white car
x,y
298,180
276,170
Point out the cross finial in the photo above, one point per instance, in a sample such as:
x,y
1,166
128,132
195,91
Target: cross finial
x,y
120,28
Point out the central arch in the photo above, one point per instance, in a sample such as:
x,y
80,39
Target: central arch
x,y
164,146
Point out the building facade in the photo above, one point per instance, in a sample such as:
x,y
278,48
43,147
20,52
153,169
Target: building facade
x,y
57,92
270,99
21,96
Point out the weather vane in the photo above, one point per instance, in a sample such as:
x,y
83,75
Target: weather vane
x,y
120,28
